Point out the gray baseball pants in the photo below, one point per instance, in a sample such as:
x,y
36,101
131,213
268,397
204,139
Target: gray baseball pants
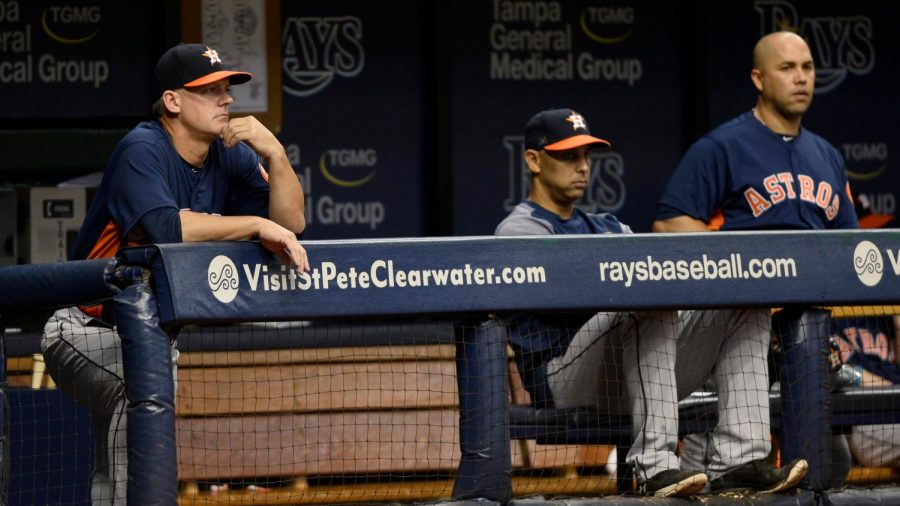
x,y
727,350
625,363
84,357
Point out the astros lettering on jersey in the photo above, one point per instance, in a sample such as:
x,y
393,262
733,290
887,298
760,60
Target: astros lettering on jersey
x,y
753,178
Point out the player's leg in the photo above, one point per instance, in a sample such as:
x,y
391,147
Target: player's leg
x,y
85,360
698,347
625,364
741,442
742,379
579,376
732,345
876,445
648,356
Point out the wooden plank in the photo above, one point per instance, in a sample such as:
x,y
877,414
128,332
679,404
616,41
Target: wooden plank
x,y
856,311
397,492
557,456
19,365
859,311
319,444
318,387
861,475
316,355
19,380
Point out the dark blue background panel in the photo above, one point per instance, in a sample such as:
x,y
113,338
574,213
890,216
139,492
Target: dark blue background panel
x,y
621,66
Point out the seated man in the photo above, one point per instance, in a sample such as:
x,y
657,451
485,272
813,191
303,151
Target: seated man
x,y
759,171
192,174
623,362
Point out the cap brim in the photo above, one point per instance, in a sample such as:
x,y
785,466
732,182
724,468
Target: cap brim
x,y
235,77
575,141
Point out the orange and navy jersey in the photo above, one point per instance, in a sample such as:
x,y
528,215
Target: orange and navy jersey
x,y
145,174
759,180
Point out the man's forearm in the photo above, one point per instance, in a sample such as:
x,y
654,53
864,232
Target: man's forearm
x,y
196,227
681,223
286,202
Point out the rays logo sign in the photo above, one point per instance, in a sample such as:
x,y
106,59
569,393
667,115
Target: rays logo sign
x,y
222,276
318,49
839,45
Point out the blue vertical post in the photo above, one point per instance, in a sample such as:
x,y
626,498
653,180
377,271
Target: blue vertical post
x,y
4,423
485,468
805,393
150,390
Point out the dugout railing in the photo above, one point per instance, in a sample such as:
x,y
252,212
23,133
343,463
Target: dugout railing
x,y
156,290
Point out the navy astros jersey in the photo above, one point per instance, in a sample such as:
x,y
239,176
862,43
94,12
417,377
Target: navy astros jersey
x,y
745,176
145,173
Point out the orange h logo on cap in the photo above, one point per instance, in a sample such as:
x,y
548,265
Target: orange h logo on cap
x,y
577,121
213,55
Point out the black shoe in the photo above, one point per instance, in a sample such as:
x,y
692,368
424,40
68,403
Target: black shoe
x,y
761,476
674,483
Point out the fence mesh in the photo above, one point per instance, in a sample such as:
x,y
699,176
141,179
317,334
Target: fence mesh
x,y
369,411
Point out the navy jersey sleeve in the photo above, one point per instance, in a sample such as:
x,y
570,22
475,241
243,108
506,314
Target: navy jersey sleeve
x,y
696,186
846,217
139,184
249,195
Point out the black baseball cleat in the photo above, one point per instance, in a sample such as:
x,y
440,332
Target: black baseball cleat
x,y
761,476
674,483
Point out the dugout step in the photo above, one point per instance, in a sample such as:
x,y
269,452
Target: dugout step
x,y
887,495
568,483
794,498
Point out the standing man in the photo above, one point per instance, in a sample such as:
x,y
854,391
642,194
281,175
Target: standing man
x,y
759,171
192,174
622,362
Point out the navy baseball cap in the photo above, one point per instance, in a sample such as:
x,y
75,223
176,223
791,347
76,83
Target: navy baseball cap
x,y
189,65
558,130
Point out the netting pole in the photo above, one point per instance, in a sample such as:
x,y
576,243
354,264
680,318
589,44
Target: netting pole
x,y
485,467
805,393
4,422
150,390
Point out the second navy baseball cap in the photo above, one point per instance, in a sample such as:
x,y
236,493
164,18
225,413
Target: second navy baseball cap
x,y
558,130
189,65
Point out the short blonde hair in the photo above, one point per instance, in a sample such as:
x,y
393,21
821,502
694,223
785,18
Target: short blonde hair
x,y
159,109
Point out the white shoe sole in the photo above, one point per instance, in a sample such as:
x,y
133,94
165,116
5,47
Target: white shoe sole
x,y
797,472
687,487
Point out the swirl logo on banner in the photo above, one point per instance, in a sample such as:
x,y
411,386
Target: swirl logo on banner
x,y
868,263
222,276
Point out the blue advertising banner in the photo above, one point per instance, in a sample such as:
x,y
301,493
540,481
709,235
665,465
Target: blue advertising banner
x,y
354,114
854,47
92,58
618,64
244,282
